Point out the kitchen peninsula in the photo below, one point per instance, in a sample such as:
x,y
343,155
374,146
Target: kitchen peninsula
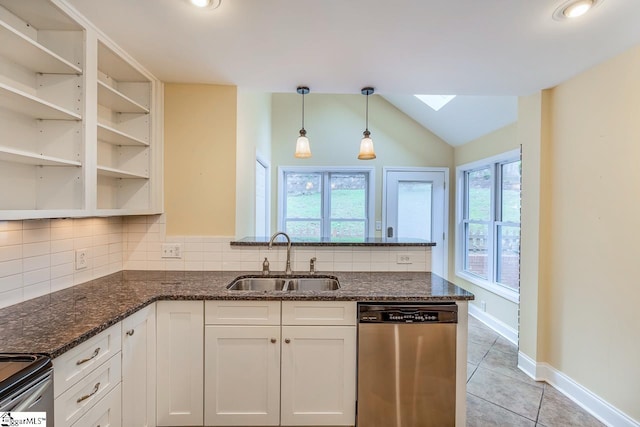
x,y
179,306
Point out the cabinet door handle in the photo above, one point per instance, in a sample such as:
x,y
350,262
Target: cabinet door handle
x,y
95,354
273,340
86,396
130,332
287,340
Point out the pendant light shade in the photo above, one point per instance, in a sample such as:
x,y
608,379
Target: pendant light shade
x,y
303,149
366,145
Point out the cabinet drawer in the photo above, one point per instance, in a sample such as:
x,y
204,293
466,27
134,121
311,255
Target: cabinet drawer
x,y
242,312
105,413
73,365
76,401
318,313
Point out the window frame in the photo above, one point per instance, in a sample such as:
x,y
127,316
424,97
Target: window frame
x,y
495,221
326,170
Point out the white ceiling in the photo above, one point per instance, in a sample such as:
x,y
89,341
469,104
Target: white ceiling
x,y
400,47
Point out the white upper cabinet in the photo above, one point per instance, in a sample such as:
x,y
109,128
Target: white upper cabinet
x,y
80,121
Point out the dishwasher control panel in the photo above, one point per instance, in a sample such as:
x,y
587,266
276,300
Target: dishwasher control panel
x,y
408,313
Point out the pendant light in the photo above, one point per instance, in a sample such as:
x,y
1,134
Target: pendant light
x,y
303,150
366,145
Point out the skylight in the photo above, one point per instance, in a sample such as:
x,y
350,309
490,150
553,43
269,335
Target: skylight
x,y
435,101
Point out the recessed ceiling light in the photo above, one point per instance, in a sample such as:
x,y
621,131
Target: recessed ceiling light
x,y
206,4
574,8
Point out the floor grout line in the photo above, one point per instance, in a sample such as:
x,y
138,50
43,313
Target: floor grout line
x,y
500,406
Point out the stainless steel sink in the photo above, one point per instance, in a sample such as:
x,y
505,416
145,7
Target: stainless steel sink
x,y
265,284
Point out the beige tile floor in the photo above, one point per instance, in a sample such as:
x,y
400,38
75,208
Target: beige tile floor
x,y
499,394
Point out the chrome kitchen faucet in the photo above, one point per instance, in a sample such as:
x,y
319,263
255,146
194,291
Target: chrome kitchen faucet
x,y
276,234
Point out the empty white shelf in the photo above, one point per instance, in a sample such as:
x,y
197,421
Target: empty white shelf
x,y
117,68
118,173
117,101
116,137
29,53
32,106
28,158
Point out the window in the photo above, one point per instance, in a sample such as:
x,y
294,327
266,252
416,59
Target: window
x,y
488,238
316,203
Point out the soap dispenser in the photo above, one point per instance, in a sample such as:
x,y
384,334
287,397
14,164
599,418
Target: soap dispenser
x,y
265,267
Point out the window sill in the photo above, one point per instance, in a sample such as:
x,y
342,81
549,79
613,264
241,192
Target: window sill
x,y
494,288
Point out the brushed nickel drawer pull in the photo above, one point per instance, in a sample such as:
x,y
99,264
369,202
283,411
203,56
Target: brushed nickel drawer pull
x,y
95,354
131,332
86,396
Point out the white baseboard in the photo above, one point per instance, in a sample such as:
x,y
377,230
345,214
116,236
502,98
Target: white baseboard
x,y
497,325
590,402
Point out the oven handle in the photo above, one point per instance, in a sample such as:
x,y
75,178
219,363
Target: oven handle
x,y
33,394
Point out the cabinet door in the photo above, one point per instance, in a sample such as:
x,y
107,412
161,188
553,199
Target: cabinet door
x,y
318,375
179,382
139,368
242,375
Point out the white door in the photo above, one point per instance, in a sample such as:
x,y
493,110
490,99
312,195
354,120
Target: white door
x,y
179,375
318,375
415,207
139,368
242,376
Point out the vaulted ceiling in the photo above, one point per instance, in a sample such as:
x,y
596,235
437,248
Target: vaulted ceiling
x,y
473,48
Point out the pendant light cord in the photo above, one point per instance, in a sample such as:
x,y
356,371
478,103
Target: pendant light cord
x,y
303,110
367,115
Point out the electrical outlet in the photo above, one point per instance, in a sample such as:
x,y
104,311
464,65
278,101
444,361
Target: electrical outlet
x,y
378,225
172,250
404,259
483,305
82,259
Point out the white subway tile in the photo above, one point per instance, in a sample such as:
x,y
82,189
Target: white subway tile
x,y
62,270
115,247
361,266
8,253
193,246
361,255
36,290
99,262
11,237
61,223
10,297
82,276
136,265
193,256
212,265
9,283
61,245
36,276
100,240
100,250
10,225
36,263
60,283
174,264
156,265
343,256
61,233
10,268
82,242
193,265
32,224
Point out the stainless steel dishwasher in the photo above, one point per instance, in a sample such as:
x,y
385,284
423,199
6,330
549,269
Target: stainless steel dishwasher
x,y
406,365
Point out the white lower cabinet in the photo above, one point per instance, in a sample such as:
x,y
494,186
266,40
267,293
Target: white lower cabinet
x,y
242,375
179,370
294,372
139,369
318,376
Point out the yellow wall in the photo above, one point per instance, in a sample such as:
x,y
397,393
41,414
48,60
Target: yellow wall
x,y
589,286
497,142
334,125
200,159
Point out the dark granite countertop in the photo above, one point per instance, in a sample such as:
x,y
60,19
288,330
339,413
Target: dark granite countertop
x,y
54,323
328,241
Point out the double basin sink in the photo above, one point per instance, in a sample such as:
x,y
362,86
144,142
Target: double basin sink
x,y
266,284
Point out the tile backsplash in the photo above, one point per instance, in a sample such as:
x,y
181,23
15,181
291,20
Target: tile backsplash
x,y
38,256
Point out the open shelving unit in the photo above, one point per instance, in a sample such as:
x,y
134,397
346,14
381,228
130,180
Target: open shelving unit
x,y
41,117
74,143
124,126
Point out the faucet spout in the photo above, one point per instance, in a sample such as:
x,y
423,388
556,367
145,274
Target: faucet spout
x,y
287,271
